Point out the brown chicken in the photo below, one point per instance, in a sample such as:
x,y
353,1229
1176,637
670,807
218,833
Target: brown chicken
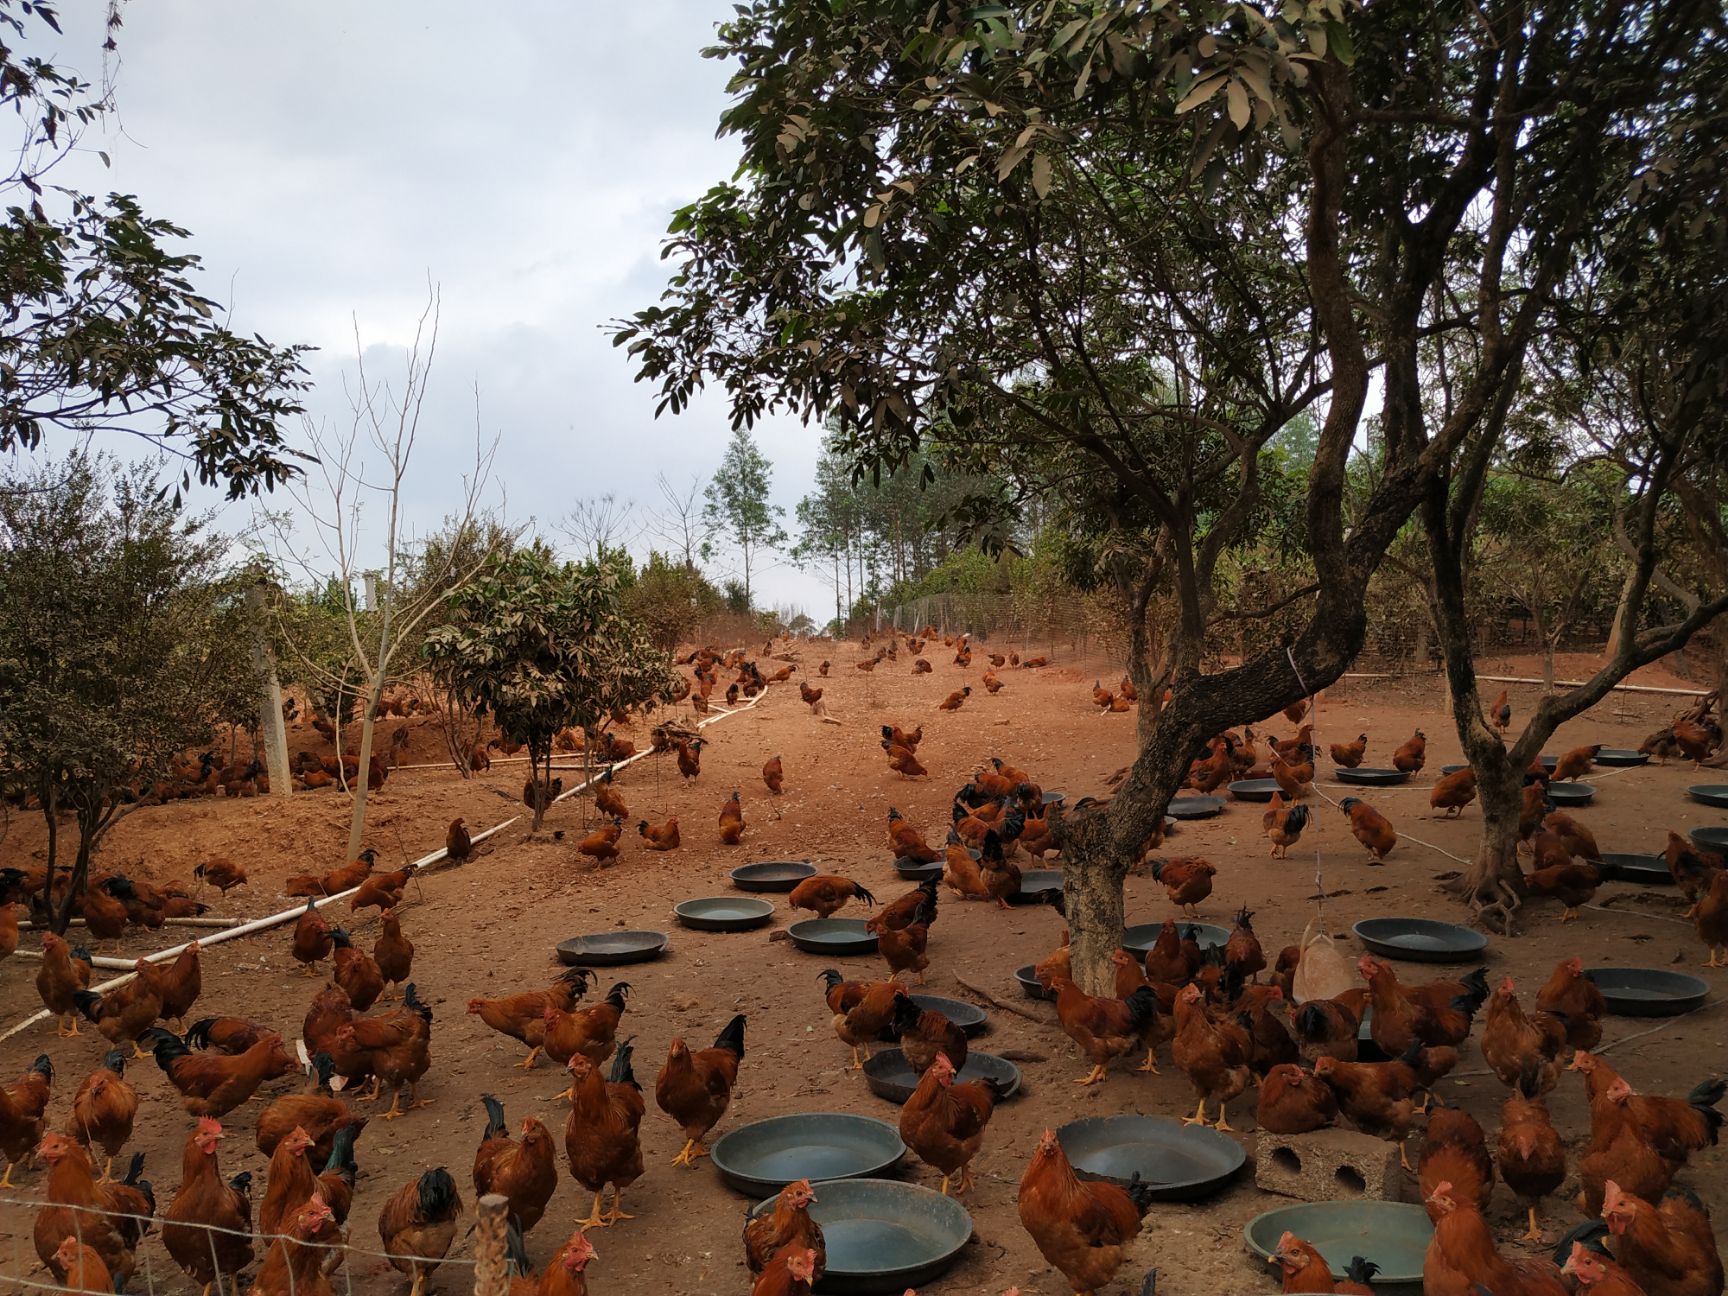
x,y
1283,824
944,1122
393,953
383,890
906,841
1294,1101
319,1112
1301,1268
1329,1027
207,1225
103,1110
1576,763
906,948
660,837
774,775
214,1084
312,940
1531,1157
1412,754
24,1114
1573,998
861,1011
61,974
1213,1054
1577,839
524,1173
1294,780
825,894
960,871
1169,962
83,1268
395,1049
105,916
731,821
903,761
290,1181
1557,876
1242,952
1453,792
1455,1150
1694,740
1370,827
1500,714
523,1016
1083,1229
1462,1259
601,845
1187,880
695,1089
418,1224
458,845
123,1013
955,699
1668,1248
1641,1137
355,971
792,1272
292,1265
223,874
787,1227
225,1034
1376,1097
608,800
1350,755
177,984
110,1218
601,1137
1510,1040
689,757
1693,870
925,1032
1595,1273
1210,773
586,1031
1711,917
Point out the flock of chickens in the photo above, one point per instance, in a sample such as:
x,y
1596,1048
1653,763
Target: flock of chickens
x,y
1226,1028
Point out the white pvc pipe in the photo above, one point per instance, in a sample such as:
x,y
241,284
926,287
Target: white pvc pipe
x,y
277,919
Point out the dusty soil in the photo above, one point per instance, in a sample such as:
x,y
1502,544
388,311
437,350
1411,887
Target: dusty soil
x,y
488,928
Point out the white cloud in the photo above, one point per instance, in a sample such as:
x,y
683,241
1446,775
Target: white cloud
x,y
329,157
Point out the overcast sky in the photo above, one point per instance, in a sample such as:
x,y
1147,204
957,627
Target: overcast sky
x,y
328,157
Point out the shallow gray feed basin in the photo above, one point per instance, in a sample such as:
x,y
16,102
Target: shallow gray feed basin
x,y
607,949
1178,1162
1420,940
1030,984
723,913
1621,756
969,1017
1034,881
1367,776
918,870
1139,939
1394,1235
1710,794
1710,839
1649,992
771,875
884,1236
1571,794
1649,870
891,1076
832,936
766,1155
1254,789
1051,798
1194,807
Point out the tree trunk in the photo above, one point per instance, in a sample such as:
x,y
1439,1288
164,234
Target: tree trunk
x,y
1493,881
50,803
1092,888
275,729
363,765
540,771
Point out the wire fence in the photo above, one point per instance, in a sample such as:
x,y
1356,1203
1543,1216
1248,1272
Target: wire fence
x,y
477,1261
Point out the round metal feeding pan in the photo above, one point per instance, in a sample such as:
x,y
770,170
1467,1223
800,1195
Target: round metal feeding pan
x,y
1651,870
1649,992
1365,776
891,1076
1179,1162
766,1155
607,949
1394,1235
772,875
882,1235
1420,940
832,936
1139,939
1254,789
723,913
1194,807
1612,756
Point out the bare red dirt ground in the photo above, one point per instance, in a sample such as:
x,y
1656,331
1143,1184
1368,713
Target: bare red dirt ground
x,y
488,928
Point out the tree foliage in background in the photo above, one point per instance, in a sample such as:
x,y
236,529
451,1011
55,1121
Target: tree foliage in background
x,y
737,506
540,646
105,330
1157,236
121,644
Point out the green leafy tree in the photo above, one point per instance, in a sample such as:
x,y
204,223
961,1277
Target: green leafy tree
x,y
943,217
106,329
737,505
121,645
540,646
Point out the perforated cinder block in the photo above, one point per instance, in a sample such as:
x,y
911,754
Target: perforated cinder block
x,y
1327,1165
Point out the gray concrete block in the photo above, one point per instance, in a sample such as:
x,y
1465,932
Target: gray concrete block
x,y
1327,1165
